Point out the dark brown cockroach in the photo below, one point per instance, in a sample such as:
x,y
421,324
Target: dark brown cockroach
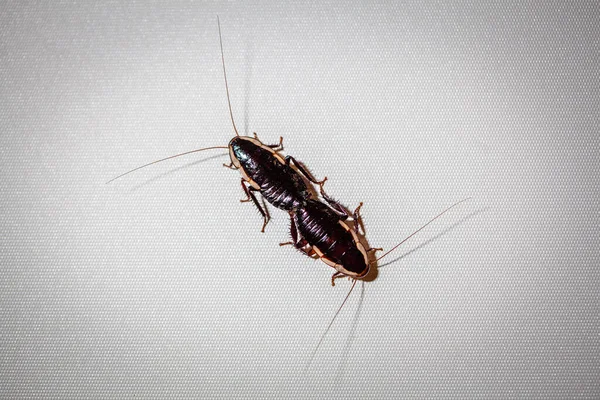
x,y
279,180
320,231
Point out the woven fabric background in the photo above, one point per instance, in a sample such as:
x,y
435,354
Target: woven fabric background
x,y
160,285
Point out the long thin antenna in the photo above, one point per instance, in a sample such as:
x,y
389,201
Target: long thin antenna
x,y
225,76
168,158
312,356
418,230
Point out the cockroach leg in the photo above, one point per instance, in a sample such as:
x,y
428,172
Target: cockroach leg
x,y
358,219
299,167
302,247
250,195
230,166
374,249
247,199
301,243
310,253
335,276
278,146
294,233
340,209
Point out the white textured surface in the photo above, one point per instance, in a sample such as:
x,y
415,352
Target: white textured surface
x,y
161,285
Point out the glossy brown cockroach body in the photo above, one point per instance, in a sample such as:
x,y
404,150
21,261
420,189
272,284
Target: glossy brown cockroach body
x,y
319,230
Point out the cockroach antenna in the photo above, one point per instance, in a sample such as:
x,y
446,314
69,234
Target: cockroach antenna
x,y
225,76
168,158
421,228
207,148
314,353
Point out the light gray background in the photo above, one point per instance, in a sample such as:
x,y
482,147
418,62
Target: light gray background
x,y
161,284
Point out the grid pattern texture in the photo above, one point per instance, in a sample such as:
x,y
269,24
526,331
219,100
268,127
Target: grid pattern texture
x,y
160,285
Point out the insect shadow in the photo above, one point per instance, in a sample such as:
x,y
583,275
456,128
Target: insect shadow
x,y
341,371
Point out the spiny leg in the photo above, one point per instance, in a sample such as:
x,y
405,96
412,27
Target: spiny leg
x,y
294,233
290,159
343,211
250,195
302,246
245,188
335,204
276,147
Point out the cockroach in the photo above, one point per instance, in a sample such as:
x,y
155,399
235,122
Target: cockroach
x,y
320,232
279,180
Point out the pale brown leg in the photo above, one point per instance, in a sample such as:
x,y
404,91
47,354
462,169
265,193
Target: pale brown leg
x,y
335,276
308,251
277,147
